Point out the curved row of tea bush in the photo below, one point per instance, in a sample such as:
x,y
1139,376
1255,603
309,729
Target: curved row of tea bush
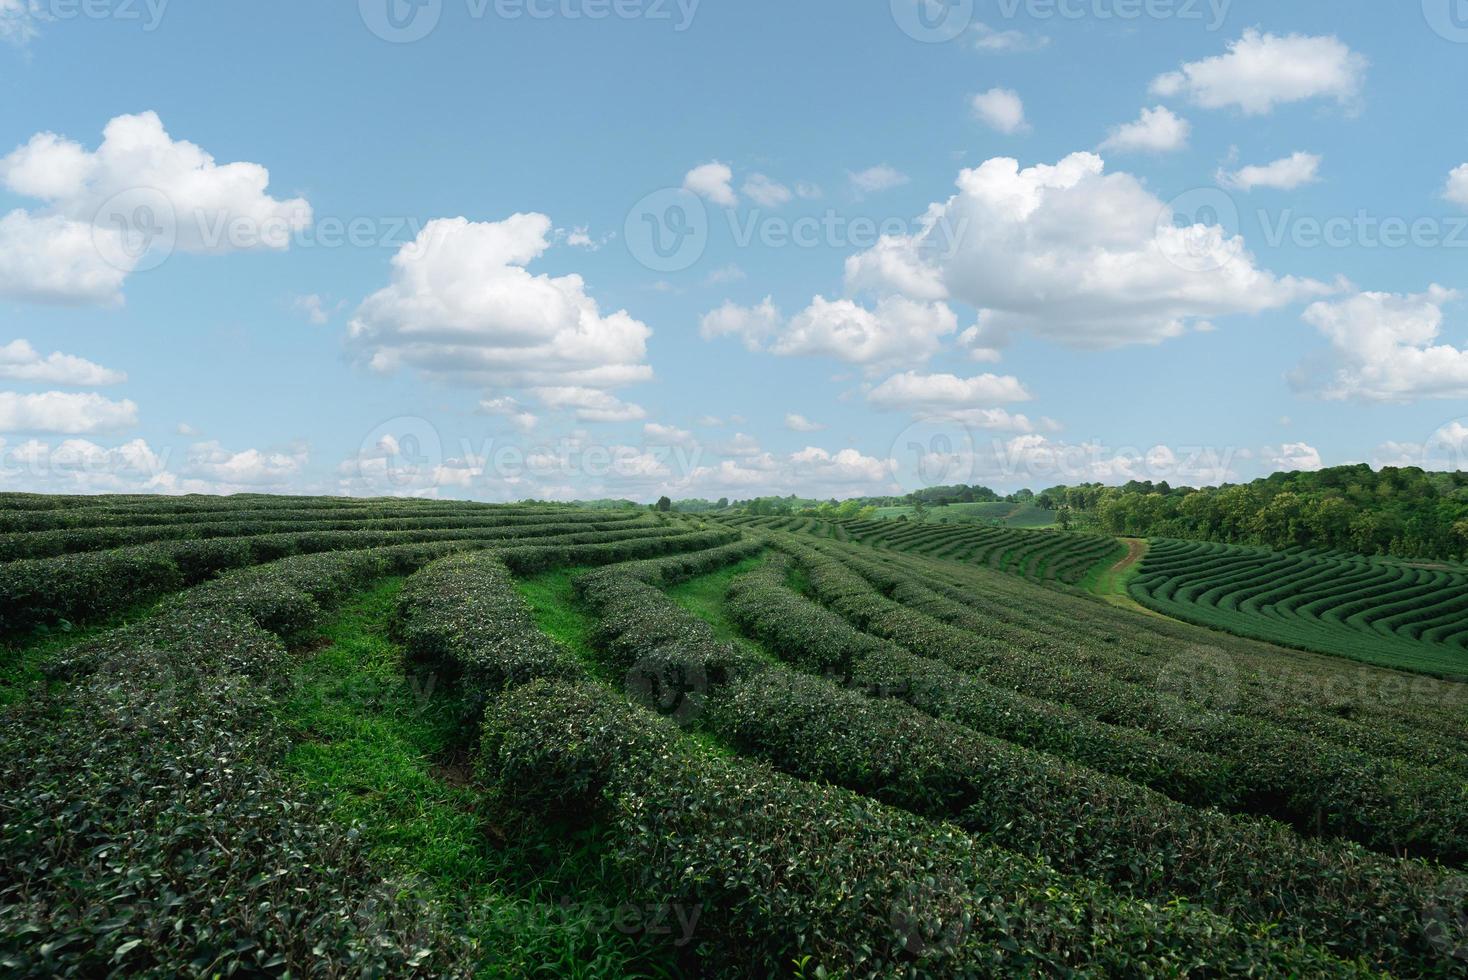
x,y
1379,711
1213,671
819,641
781,868
92,586
1390,613
1079,820
1316,786
1039,556
146,830
46,544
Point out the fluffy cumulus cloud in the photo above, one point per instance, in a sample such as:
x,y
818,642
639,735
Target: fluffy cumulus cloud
x,y
140,194
1261,71
751,324
1071,252
714,182
245,468
1295,170
52,259
930,392
19,361
71,413
1157,130
1384,348
83,466
462,307
1457,189
896,330
1000,109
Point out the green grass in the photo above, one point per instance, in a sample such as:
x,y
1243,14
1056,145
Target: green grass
x,y
22,660
387,747
560,616
704,597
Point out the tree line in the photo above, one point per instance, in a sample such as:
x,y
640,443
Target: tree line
x,y
1399,511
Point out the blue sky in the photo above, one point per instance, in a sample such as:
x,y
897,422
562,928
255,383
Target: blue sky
x,y
276,246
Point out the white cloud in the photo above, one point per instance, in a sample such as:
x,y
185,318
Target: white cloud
x,y
317,309
799,423
751,324
1001,109
64,412
74,248
203,198
713,182
1033,460
1286,174
1262,71
18,19
992,41
19,361
844,466
669,435
1156,131
897,331
511,409
462,307
1382,349
82,466
1457,189
765,192
874,180
246,467
589,404
929,392
710,421
725,274
1293,457
1073,253
52,259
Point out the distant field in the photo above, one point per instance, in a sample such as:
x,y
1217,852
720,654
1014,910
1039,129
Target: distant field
x,y
1400,614
1066,557
1009,515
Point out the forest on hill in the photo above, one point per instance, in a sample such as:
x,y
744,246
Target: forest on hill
x,y
1403,512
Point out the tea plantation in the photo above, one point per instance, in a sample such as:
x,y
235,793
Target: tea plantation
x,y
263,736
